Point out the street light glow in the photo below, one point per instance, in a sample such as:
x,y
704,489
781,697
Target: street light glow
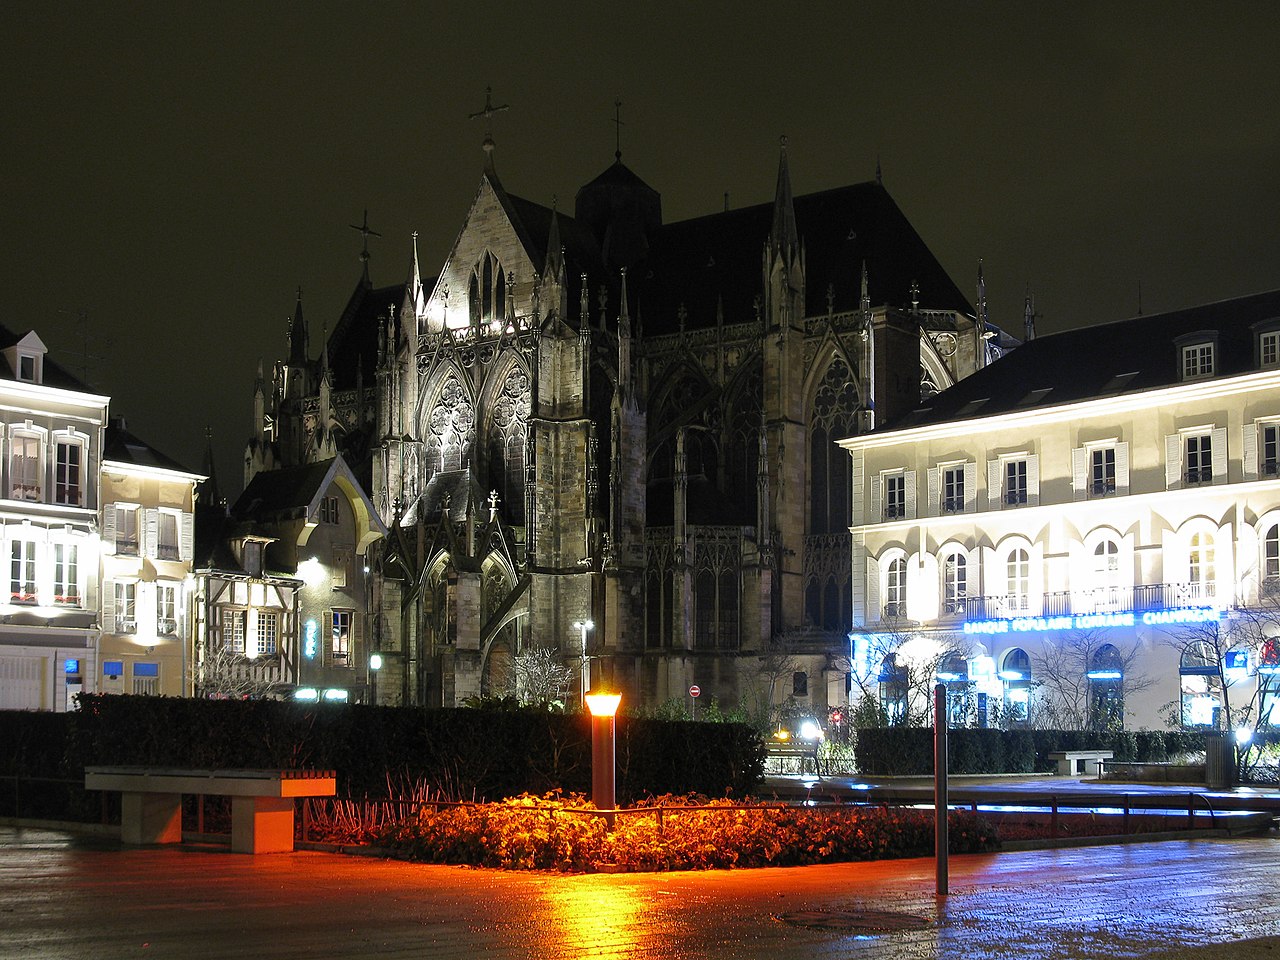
x,y
603,704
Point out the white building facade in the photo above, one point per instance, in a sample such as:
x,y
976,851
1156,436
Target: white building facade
x,y
1086,533
51,432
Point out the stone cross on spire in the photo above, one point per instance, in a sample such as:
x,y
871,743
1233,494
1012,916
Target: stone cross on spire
x,y
488,112
365,234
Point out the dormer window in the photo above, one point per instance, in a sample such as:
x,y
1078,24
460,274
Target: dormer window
x,y
26,358
1198,354
1269,349
1197,361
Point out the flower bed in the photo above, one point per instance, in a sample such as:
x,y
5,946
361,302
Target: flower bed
x,y
671,833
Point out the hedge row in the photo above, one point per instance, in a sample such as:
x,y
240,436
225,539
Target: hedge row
x,y
908,751
460,753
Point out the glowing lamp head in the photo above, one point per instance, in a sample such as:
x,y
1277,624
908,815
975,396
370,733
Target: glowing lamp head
x,y
603,704
375,661
782,733
1243,735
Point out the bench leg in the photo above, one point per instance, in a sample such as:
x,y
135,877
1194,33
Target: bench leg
x,y
262,824
150,817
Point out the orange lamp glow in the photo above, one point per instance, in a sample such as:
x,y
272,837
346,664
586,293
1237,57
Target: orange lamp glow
x,y
603,704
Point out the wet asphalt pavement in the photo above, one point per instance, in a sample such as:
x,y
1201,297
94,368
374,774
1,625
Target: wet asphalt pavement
x,y
63,896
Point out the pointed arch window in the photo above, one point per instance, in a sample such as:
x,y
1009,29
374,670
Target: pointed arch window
x,y
508,436
487,295
833,417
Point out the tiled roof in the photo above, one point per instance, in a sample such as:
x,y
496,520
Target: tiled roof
x,y
53,374
1123,357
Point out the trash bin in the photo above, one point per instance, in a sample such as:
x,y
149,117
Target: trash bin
x,y
1219,761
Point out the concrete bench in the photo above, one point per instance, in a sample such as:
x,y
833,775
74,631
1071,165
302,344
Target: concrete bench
x,y
261,801
792,751
1080,763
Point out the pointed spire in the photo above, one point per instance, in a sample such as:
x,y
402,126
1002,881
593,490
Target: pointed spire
x,y
864,298
879,174
1029,318
209,491
299,348
982,297
324,353
415,298
624,318
783,233
555,249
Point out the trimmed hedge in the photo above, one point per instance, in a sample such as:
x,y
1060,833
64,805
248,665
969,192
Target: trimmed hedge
x,y
459,753
908,751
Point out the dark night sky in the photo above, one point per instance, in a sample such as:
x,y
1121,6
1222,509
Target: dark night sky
x,y
175,171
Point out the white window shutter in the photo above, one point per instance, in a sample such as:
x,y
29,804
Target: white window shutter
x,y
859,494
180,607
1250,451
151,534
934,484
1173,462
1033,480
1122,468
876,512
1079,473
109,606
874,611
909,483
109,528
1219,443
970,487
186,538
144,607
993,484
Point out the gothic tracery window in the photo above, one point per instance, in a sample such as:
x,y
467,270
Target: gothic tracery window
x,y
834,417
508,433
450,424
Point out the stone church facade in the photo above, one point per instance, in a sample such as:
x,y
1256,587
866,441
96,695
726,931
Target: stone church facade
x,y
614,437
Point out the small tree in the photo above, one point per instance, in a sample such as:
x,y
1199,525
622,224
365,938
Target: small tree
x,y
540,676
223,675
1068,698
903,665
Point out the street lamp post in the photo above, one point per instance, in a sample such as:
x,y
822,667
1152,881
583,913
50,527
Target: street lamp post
x,y
603,707
583,626
375,664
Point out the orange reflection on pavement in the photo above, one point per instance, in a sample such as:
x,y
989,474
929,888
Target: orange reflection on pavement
x,y
595,916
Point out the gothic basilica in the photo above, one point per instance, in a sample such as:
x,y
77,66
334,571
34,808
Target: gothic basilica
x,y
613,437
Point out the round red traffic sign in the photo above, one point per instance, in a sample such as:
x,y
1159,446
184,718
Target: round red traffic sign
x,y
695,690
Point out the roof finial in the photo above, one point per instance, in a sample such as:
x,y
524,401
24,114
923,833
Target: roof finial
x,y
879,176
488,112
617,129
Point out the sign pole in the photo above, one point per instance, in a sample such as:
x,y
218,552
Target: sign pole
x,y
695,691
941,840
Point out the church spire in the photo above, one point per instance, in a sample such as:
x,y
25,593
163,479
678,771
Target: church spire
x,y
1029,318
299,348
783,235
415,299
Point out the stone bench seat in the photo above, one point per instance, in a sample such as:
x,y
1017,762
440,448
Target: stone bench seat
x,y
262,801
1078,763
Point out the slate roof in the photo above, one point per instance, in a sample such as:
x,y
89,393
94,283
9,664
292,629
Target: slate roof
x,y
353,342
124,447
718,257
54,375
1122,357
282,494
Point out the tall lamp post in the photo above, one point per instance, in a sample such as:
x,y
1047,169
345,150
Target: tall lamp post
x,y
603,707
583,626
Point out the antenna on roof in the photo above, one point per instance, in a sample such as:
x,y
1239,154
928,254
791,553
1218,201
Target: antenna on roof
x,y
86,357
1139,296
617,129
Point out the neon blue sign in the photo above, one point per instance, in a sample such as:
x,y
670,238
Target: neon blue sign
x,y
310,639
1089,621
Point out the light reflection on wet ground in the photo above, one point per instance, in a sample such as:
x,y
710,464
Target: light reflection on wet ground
x,y
61,898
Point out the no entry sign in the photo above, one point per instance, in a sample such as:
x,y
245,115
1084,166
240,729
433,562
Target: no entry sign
x,y
695,690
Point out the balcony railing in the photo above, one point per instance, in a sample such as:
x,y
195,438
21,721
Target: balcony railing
x,y
1107,599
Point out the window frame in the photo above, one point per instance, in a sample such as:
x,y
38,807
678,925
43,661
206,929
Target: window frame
x,y
22,486
66,574
65,492
23,571
1198,360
